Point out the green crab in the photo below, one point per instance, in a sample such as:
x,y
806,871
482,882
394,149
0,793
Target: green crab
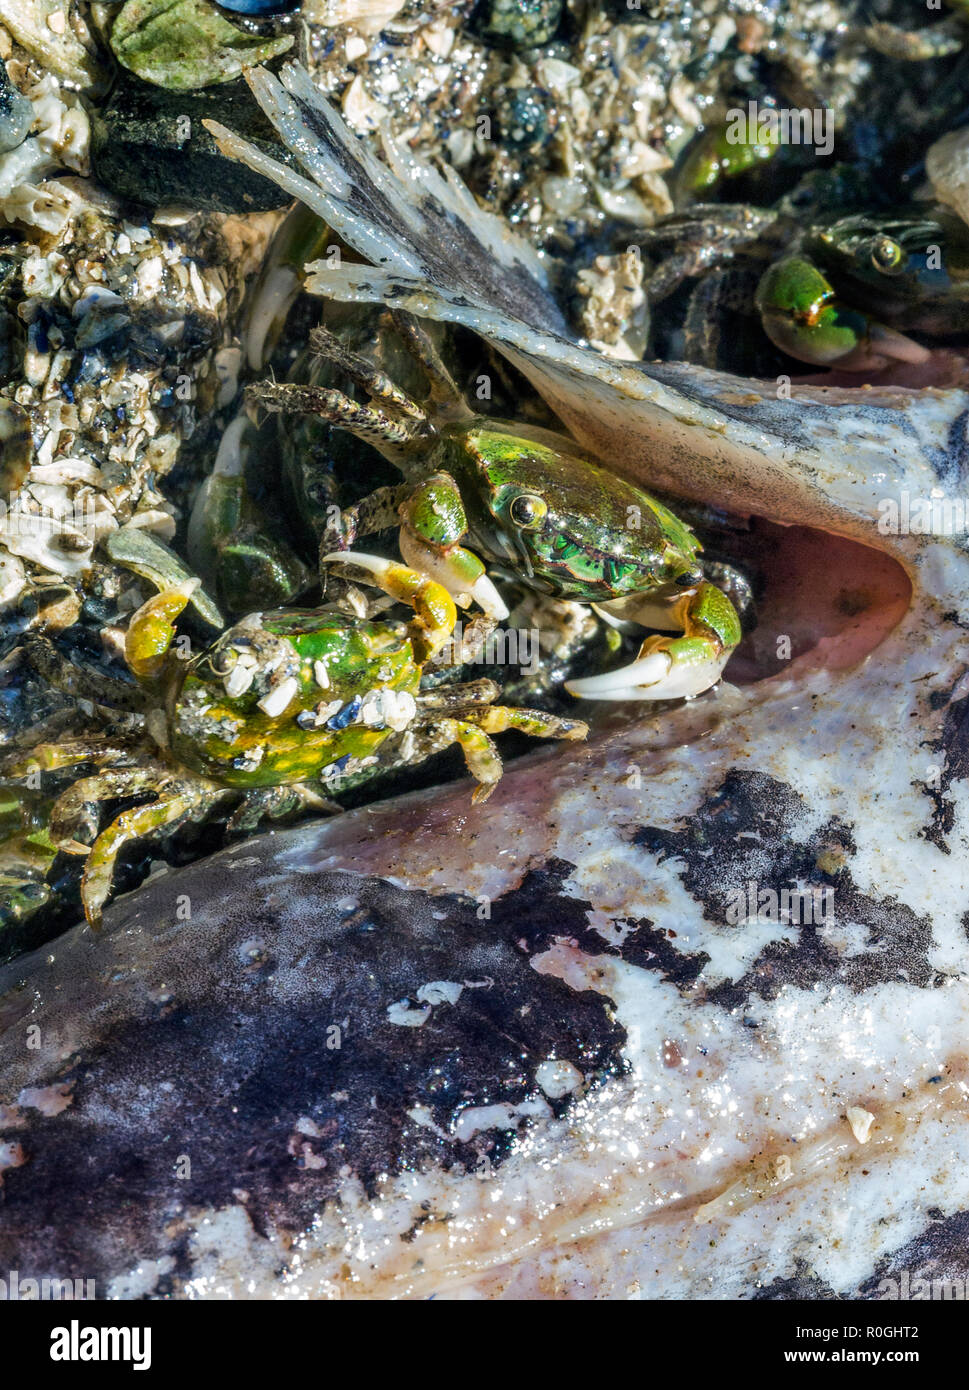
x,y
282,709
483,493
842,291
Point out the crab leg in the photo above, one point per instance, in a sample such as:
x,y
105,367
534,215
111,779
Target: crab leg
x,y
444,390
74,680
76,807
538,723
456,699
671,668
363,373
378,511
134,825
393,437
277,803
48,757
471,733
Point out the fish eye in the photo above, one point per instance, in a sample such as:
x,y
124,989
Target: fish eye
x,y
528,510
886,254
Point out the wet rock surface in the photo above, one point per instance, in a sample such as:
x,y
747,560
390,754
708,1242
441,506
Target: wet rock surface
x,y
149,145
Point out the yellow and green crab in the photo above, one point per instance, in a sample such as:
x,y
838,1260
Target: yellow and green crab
x,y
284,708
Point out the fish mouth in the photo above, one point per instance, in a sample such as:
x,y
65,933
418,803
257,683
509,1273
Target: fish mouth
x,y
827,601
824,601
734,443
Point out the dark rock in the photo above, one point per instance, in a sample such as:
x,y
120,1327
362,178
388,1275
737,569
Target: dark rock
x,y
149,145
226,1035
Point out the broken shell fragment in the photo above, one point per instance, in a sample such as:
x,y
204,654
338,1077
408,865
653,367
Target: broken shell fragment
x,y
186,45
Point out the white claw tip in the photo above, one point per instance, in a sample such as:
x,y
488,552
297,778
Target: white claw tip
x,y
640,680
489,599
653,677
376,564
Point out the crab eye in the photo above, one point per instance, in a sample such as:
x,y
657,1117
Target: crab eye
x,y
886,254
221,660
528,510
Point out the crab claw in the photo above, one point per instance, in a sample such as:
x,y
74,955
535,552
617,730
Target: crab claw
x,y
673,668
488,599
151,629
434,611
662,674
457,569
803,316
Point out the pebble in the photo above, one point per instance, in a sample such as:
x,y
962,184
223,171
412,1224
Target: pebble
x,y
260,7
518,24
150,145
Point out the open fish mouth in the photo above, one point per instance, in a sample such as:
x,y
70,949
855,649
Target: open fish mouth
x,y
826,601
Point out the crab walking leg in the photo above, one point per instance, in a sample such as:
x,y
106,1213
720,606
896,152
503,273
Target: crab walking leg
x,y
275,803
392,436
378,511
432,516
48,757
671,668
135,825
364,373
538,723
480,754
444,390
458,698
74,680
76,807
471,732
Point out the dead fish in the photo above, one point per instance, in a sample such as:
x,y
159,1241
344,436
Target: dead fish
x,y
763,890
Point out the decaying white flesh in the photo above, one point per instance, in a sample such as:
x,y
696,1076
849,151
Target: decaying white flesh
x,y
740,1164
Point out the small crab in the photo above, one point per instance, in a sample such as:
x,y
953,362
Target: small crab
x,y
283,708
841,291
936,40
485,493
